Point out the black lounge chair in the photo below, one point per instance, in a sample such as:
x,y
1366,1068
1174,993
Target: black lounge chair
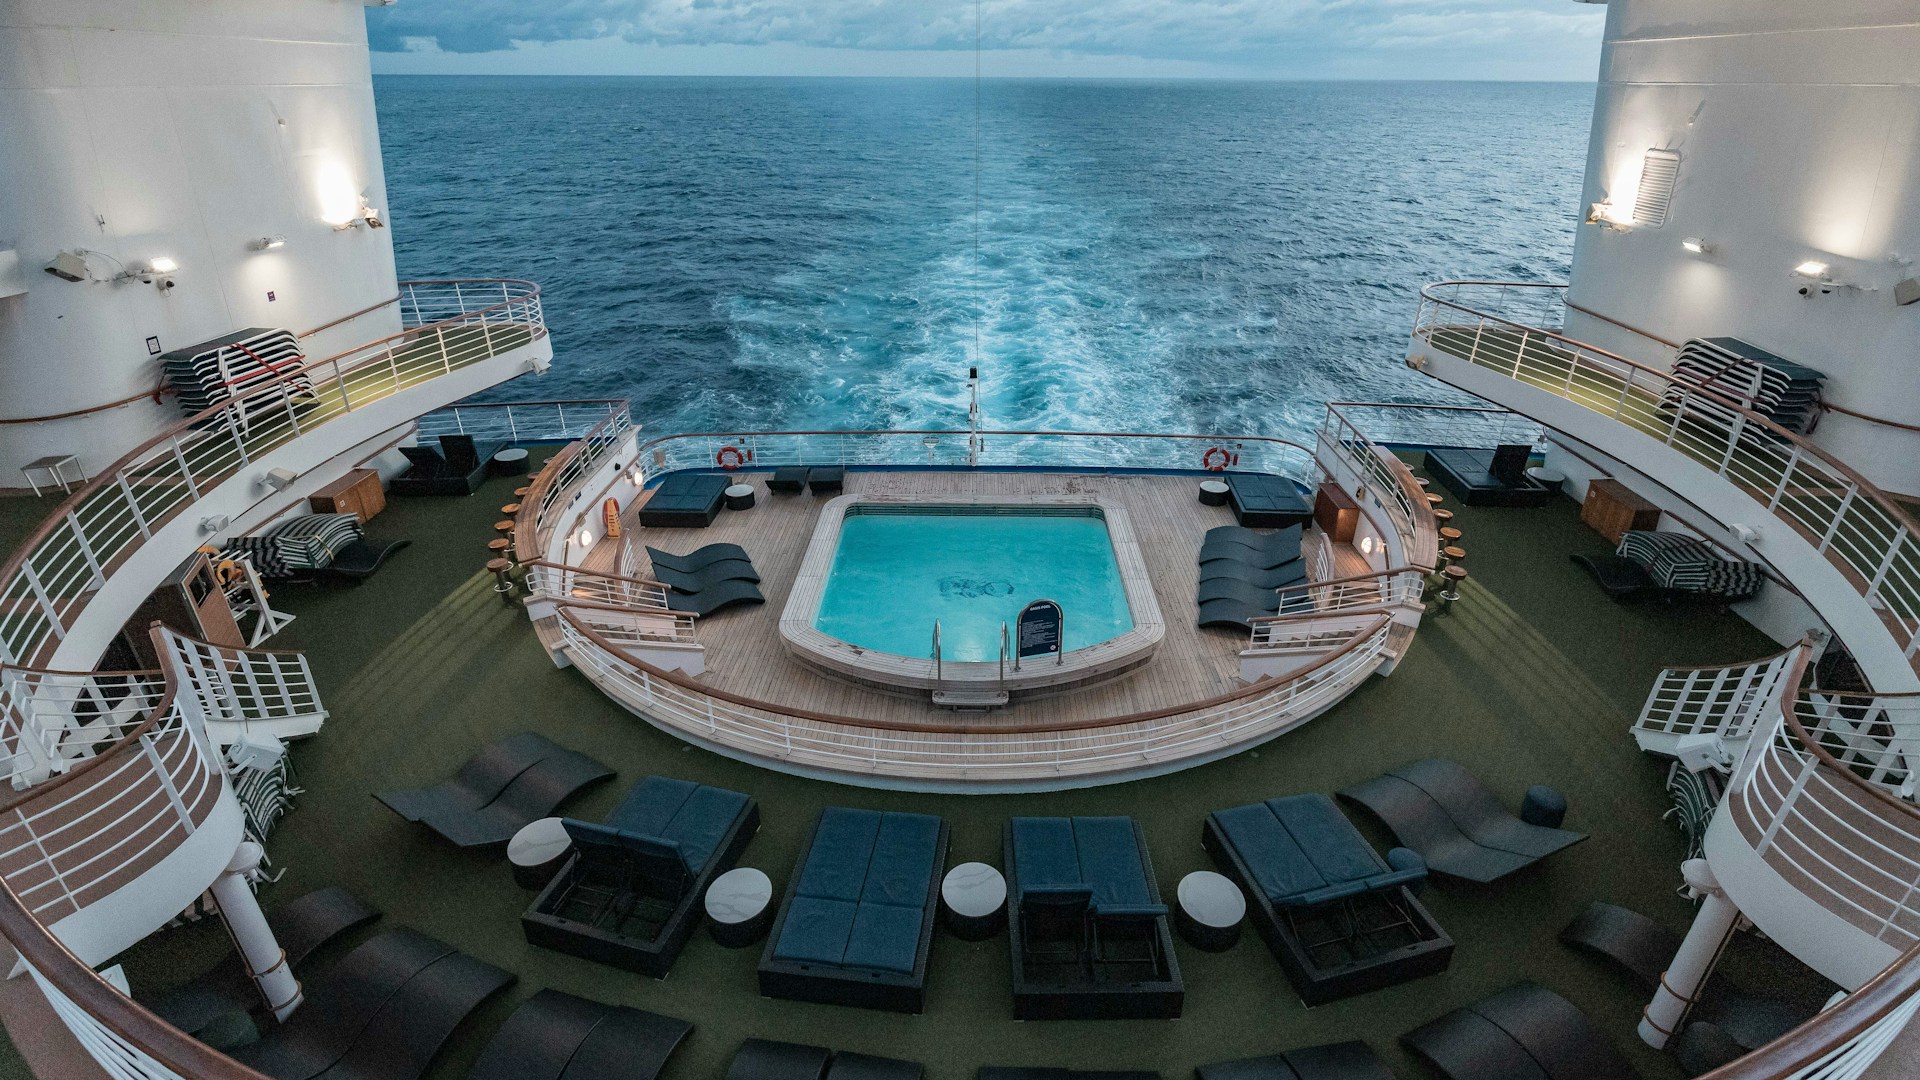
x,y
1334,1061
1266,501
1618,577
501,789
1525,1032
1496,477
857,921
867,1067
1340,920
358,560
382,1013
685,501
1451,820
1260,550
1003,1072
1088,933
698,559
556,1036
1240,592
1230,614
765,1059
827,479
789,479
715,596
1278,577
630,895
457,468
706,577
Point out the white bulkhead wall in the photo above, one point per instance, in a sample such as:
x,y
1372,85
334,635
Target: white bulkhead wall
x,y
189,130
1798,130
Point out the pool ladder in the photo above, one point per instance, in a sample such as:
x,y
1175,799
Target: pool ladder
x,y
968,697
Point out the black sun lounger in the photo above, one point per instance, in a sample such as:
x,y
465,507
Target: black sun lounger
x,y
827,479
1261,550
1266,501
764,1059
358,560
1340,920
301,926
789,479
1240,592
1004,1072
858,918
1334,1061
1278,577
478,782
1230,614
867,1067
698,559
685,501
707,576
713,597
1451,820
498,791
556,1036
1525,1032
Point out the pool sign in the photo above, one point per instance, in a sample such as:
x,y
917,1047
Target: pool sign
x,y
1039,630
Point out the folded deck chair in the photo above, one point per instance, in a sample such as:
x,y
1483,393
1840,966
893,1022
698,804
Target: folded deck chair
x,y
556,1036
361,558
1334,1061
1278,577
865,1067
478,782
1525,1032
698,559
712,598
1262,550
1447,816
532,795
707,576
764,1059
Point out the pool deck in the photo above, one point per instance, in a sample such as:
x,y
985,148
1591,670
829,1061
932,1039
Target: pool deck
x,y
746,655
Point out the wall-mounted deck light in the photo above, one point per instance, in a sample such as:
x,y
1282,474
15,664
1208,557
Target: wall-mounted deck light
x,y
1812,268
268,243
1693,245
586,538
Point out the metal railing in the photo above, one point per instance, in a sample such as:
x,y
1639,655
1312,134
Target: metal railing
x,y
238,688
522,421
1844,516
50,720
1875,736
51,578
1727,701
1311,603
1340,436
625,610
555,488
1842,1042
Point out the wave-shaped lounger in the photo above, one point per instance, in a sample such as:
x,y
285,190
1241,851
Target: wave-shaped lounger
x,y
765,1059
698,559
1525,1032
556,1036
503,788
1230,614
1446,815
1334,1061
358,560
1002,1072
1225,588
1251,546
868,1067
712,598
707,576
1278,577
485,775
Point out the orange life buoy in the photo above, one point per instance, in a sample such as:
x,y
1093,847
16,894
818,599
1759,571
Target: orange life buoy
x,y
731,457
1216,459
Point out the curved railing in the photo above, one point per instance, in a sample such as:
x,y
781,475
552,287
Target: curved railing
x,y
50,720
1870,538
1842,1042
1722,700
1874,736
239,688
50,578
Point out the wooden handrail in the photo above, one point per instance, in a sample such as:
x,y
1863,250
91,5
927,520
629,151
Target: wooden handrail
x,y
1832,1028
352,315
593,573
1835,766
625,609
1248,690
1769,658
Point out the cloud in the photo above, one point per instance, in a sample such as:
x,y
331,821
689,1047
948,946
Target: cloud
x,y
1261,33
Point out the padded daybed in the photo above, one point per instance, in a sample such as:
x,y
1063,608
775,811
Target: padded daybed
x,y
1496,477
685,501
1334,1061
1340,920
630,894
456,468
1089,936
1525,1032
1448,816
506,786
1266,501
858,916
556,1036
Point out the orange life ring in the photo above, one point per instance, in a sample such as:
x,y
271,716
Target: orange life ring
x,y
731,457
1216,459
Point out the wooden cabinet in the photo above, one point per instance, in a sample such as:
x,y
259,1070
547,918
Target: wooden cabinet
x,y
1612,509
191,601
358,492
1336,513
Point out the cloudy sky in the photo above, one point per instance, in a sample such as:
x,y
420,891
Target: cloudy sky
x,y
1286,39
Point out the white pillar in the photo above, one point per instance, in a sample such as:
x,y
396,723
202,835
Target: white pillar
x,y
1680,984
265,960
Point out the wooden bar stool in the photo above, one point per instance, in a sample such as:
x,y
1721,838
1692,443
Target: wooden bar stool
x,y
1455,574
521,491
510,509
502,583
1443,517
1434,498
1450,536
1449,556
1422,481
505,525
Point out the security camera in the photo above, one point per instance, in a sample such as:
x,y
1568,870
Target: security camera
x,y
164,283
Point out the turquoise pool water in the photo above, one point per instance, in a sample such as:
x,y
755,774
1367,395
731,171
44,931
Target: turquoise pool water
x,y
894,573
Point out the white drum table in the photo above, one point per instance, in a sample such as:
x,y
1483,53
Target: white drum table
x,y
1551,479
1211,911
740,907
538,851
973,901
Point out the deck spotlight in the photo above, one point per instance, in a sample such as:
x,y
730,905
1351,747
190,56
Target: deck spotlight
x,y
1812,268
69,266
585,538
268,243
1366,545
1696,246
160,264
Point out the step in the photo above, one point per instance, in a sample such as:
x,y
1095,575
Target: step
x,y
983,698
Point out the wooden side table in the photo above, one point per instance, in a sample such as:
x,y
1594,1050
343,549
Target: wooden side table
x,y
1612,509
358,493
1336,513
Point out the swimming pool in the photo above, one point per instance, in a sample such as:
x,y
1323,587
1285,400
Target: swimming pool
x,y
973,568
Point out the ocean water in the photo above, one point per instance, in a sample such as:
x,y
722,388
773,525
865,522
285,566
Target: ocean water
x,y
894,575
743,254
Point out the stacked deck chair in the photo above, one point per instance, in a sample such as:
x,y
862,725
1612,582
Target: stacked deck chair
x,y
1671,567
707,580
1266,501
556,1036
1334,1061
1525,1032
630,894
1784,392
1496,477
858,917
1450,819
299,547
1088,933
685,501
381,1013
458,467
1339,919
499,791
764,1059
264,366
1241,571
